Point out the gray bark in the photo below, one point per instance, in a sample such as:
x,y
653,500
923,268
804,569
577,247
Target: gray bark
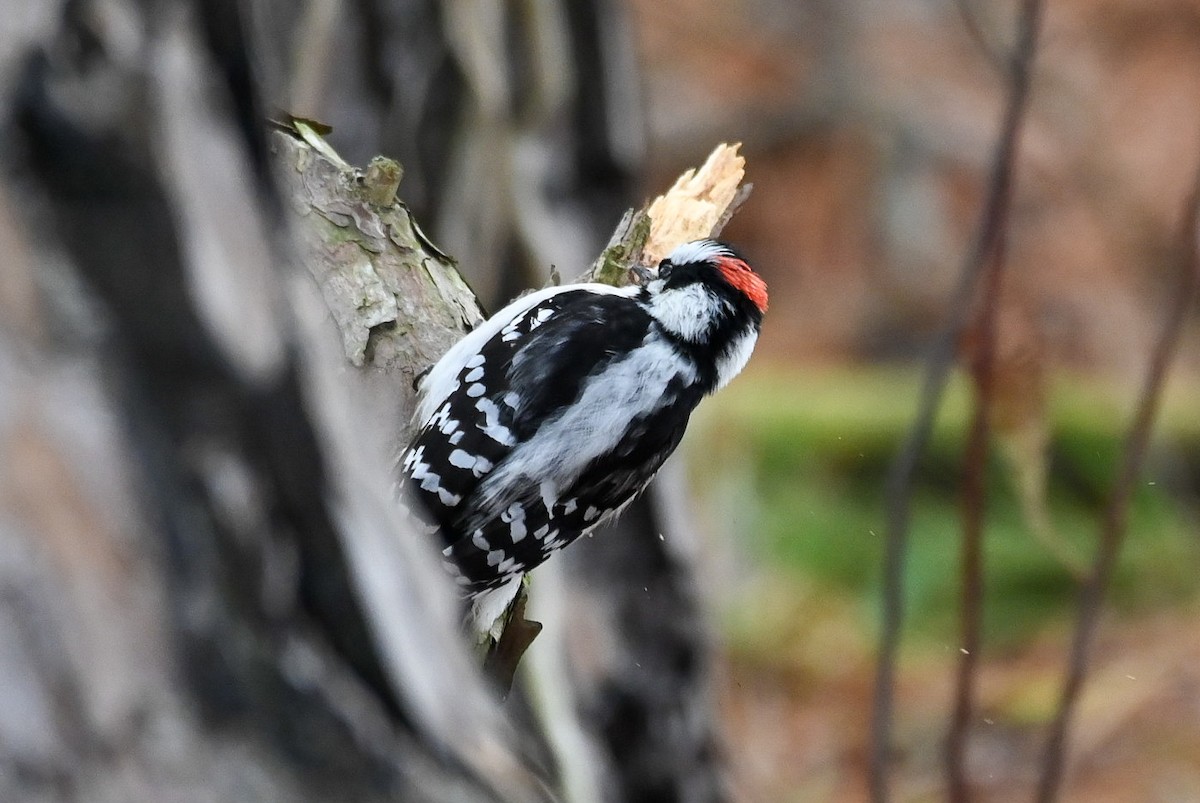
x,y
205,588
207,592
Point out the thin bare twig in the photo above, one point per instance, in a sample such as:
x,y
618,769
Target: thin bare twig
x,y
1116,514
971,595
975,468
970,22
899,483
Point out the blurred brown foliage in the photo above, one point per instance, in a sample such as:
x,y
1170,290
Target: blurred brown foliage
x,y
869,129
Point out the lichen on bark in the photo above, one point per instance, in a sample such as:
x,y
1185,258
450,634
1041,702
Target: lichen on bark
x,y
398,301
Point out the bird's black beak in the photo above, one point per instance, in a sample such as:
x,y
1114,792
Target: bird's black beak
x,y
641,275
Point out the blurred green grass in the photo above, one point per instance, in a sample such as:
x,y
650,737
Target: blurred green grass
x,y
794,463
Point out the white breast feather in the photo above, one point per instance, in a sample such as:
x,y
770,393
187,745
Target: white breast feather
x,y
565,445
731,363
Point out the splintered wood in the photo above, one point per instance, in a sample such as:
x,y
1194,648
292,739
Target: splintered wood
x,y
700,201
698,206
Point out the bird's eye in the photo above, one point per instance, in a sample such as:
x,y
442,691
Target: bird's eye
x,y
664,269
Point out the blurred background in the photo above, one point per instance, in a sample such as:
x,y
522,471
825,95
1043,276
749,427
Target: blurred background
x,y
869,130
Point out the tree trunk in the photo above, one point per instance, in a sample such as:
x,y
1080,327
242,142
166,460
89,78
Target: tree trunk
x,y
207,590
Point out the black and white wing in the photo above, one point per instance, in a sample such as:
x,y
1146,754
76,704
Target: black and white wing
x,y
543,422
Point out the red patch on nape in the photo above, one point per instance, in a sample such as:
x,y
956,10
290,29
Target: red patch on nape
x,y
743,277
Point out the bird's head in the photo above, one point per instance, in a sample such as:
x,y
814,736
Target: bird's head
x,y
704,289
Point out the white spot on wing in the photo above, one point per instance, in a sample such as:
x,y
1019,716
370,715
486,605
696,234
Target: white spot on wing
x,y
411,458
477,465
549,493
491,425
441,416
461,459
429,480
515,518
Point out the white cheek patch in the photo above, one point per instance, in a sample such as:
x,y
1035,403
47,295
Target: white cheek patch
x,y
688,312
